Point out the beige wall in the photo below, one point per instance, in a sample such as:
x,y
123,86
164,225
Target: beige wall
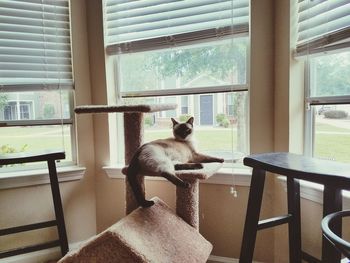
x,y
33,204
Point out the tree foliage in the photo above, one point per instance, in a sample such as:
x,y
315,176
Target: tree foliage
x,y
332,75
214,60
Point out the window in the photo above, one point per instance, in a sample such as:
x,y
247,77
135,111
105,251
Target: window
x,y
324,33
36,81
193,53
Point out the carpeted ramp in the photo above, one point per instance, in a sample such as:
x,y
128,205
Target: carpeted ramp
x,y
154,234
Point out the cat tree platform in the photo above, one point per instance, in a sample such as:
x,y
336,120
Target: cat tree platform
x,y
153,234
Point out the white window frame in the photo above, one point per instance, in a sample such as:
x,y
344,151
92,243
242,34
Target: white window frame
x,y
119,155
176,40
63,85
310,101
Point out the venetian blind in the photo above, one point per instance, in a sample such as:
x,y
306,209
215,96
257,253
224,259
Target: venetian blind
x,y
35,50
132,26
323,25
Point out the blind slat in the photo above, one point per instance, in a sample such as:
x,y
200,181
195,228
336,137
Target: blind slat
x,y
35,59
34,43
151,22
322,23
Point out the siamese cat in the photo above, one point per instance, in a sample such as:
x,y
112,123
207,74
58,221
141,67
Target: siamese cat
x,y
162,157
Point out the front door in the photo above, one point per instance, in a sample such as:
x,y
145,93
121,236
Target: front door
x,y
206,109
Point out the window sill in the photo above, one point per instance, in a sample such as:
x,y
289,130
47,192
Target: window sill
x,y
40,176
225,176
310,191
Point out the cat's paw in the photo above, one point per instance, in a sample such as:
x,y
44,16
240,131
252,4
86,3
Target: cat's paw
x,y
147,203
221,160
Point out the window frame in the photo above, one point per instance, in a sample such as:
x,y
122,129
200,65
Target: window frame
x,y
178,40
60,86
117,123
310,101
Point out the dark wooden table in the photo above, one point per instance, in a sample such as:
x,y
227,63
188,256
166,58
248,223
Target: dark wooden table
x,y
334,176
50,158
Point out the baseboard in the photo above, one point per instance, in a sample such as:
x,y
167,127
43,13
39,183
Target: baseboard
x,y
41,256
218,259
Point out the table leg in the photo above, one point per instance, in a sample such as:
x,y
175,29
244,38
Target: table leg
x,y
294,227
332,202
252,216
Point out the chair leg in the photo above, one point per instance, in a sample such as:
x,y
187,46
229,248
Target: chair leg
x,y
252,215
332,202
56,196
294,227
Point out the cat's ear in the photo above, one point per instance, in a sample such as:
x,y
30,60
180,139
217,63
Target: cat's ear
x,y
190,121
174,121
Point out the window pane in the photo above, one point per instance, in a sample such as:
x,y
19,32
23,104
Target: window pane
x,y
38,105
36,139
206,65
330,75
332,132
216,132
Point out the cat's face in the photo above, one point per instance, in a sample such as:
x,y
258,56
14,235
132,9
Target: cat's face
x,y
183,131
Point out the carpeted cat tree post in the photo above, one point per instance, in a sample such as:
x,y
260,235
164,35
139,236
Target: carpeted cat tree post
x,y
157,220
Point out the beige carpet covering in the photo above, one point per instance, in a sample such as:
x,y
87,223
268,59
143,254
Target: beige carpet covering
x,y
124,108
152,234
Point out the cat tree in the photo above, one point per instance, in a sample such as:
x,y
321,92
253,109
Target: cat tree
x,y
187,206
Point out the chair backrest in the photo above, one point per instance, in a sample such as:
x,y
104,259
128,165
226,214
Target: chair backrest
x,y
339,243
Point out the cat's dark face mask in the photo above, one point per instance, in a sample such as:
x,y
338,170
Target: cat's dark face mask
x,y
183,131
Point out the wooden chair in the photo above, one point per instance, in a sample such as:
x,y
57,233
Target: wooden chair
x,y
334,176
327,225
62,242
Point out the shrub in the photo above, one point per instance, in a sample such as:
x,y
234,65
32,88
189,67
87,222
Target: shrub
x,y
222,120
335,114
149,121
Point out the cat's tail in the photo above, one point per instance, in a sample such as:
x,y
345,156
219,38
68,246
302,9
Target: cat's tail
x,y
132,173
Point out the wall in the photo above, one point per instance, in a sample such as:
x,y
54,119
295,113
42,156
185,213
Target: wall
x,y
33,204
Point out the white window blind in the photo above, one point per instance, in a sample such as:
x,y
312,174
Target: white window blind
x,y
132,26
35,50
323,25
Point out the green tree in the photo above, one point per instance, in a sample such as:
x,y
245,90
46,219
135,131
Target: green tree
x,y
219,61
332,75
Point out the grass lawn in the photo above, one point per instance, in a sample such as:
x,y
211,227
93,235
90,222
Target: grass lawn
x,y
37,138
211,139
323,127
334,146
327,145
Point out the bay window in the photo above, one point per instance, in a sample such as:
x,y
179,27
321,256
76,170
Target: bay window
x,y
193,53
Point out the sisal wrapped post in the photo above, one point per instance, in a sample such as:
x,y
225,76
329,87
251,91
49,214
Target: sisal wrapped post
x,y
133,138
187,203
